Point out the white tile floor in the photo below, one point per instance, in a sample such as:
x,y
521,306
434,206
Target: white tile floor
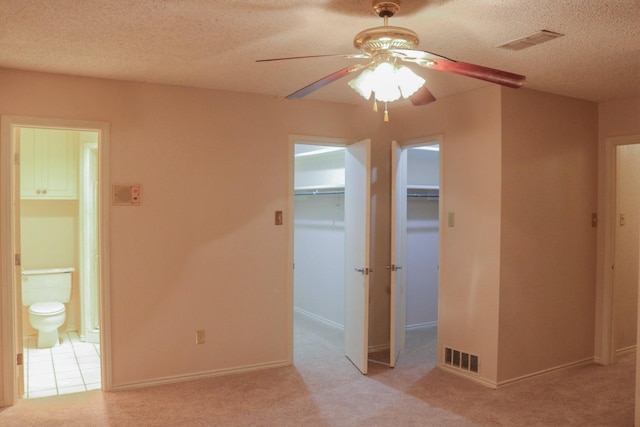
x,y
71,367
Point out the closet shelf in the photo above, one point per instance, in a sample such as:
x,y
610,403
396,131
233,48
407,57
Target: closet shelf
x,y
422,187
318,190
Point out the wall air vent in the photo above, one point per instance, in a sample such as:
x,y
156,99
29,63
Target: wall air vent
x,y
462,360
531,40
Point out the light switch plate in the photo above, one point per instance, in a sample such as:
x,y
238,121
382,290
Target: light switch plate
x,y
451,219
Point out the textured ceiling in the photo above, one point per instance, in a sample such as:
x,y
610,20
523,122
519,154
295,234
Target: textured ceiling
x,y
214,44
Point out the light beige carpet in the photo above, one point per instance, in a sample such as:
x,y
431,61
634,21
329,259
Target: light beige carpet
x,y
324,389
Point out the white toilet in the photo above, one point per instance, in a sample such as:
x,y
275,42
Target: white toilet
x,y
46,292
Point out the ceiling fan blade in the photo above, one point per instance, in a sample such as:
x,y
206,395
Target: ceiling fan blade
x,y
492,75
438,62
417,56
326,80
344,55
422,97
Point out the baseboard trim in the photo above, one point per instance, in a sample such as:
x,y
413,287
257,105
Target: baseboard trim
x,y
318,318
468,375
501,384
625,350
576,364
422,325
376,348
619,352
199,375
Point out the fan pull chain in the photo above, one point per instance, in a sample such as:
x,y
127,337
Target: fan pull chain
x,y
386,113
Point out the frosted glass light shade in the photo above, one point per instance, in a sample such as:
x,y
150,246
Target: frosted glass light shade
x,y
387,81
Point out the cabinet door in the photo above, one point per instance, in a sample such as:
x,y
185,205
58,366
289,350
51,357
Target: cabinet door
x,y
29,179
48,164
60,166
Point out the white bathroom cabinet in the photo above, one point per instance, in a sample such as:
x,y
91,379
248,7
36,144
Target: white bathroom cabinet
x,y
48,164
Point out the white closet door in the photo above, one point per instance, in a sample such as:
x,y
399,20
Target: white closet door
x,y
357,257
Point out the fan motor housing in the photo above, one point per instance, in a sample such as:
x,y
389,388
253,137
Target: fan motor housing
x,y
386,37
386,9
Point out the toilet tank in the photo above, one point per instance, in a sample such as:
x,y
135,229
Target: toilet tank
x,y
46,285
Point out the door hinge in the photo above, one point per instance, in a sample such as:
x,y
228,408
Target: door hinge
x,y
16,159
18,260
19,359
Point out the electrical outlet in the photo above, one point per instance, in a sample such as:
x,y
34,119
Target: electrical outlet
x,y
200,336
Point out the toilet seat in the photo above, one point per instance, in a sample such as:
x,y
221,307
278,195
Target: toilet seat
x,y
46,308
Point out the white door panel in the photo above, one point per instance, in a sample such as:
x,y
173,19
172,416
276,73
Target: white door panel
x,y
357,261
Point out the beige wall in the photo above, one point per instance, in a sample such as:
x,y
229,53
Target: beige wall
x,y
470,188
548,253
202,251
512,162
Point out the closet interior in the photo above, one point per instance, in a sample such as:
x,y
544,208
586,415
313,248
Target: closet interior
x,y
319,233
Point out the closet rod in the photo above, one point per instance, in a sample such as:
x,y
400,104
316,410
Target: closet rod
x,y
318,192
426,196
330,192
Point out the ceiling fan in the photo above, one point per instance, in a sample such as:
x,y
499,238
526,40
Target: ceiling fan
x,y
387,48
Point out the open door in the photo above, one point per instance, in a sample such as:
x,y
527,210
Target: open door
x,y
398,244
357,265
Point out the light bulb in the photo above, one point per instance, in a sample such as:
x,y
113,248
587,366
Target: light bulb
x,y
387,81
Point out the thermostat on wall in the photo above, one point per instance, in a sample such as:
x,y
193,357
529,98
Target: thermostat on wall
x,y
127,195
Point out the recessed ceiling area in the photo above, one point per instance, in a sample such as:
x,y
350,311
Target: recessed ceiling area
x,y
214,44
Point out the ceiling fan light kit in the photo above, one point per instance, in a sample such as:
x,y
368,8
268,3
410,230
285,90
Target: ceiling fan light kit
x,y
385,77
387,82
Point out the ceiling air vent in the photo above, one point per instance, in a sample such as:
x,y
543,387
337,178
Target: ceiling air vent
x,y
531,40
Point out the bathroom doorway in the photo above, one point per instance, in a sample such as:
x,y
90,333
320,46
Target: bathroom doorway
x,y
58,229
58,222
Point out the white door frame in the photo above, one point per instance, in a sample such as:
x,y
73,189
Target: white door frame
x,y
8,308
605,315
89,301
